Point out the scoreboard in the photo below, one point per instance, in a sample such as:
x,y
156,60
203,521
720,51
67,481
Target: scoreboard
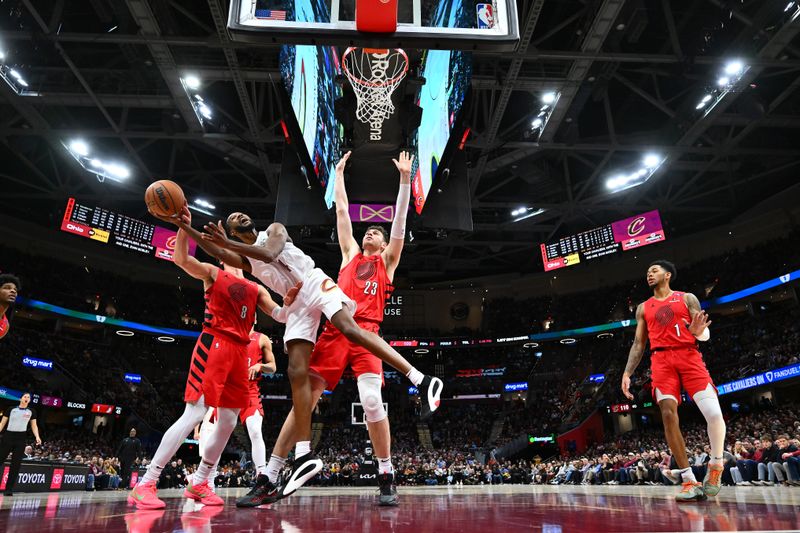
x,y
622,235
108,227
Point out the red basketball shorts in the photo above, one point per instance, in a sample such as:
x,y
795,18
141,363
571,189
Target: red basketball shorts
x,y
673,369
254,406
218,373
333,353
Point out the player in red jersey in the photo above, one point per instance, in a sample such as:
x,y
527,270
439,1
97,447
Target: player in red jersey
x,y
218,373
674,322
365,277
9,287
260,362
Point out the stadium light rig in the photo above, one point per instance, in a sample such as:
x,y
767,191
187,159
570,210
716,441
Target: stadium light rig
x,y
202,206
13,77
727,81
637,176
191,86
548,103
525,212
82,153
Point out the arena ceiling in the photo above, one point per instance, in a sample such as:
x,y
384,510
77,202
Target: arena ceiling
x,y
630,75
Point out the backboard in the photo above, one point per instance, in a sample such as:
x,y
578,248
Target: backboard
x,y
421,24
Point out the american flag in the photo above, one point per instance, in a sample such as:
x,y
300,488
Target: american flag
x,y
270,14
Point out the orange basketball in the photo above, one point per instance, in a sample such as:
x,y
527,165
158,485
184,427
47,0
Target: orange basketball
x,y
164,198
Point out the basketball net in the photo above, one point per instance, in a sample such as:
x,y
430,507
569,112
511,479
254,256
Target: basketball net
x,y
374,74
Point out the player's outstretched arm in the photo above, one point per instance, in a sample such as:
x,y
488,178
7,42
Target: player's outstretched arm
x,y
636,353
189,264
3,423
398,232
276,240
700,322
344,226
184,221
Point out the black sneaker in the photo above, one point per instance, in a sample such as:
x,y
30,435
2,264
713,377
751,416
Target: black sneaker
x,y
305,468
430,390
263,493
388,492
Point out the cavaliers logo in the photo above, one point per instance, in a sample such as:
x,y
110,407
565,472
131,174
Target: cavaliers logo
x,y
237,292
636,226
171,242
366,270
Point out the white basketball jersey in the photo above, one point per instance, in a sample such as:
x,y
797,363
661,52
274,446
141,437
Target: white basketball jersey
x,y
290,267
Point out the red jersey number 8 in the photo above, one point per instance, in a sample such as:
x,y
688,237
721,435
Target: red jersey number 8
x,y
244,311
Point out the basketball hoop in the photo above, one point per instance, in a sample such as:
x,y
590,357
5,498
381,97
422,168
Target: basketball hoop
x,y
374,74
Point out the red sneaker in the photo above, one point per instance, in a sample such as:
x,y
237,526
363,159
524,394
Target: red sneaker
x,y
143,496
202,493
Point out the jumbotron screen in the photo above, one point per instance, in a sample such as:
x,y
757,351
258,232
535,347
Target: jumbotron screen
x,y
622,235
108,227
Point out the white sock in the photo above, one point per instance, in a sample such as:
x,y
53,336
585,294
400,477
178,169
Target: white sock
x,y
415,376
302,448
152,474
687,475
274,467
202,474
385,465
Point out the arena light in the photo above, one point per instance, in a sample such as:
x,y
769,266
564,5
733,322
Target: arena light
x,y
568,340
733,68
536,122
165,338
204,203
81,151
531,345
548,98
527,212
202,206
652,160
421,351
605,335
124,333
14,79
723,81
192,82
636,176
80,147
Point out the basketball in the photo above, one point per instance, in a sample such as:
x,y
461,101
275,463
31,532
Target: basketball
x,y
164,198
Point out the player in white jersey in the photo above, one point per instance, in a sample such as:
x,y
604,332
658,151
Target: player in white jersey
x,y
272,258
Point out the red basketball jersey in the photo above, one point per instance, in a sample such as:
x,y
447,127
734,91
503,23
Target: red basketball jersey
x,y
365,281
3,326
667,322
231,307
254,356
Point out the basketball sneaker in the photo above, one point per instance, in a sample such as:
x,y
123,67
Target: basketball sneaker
x,y
692,492
264,492
431,392
202,493
387,490
713,480
305,468
143,496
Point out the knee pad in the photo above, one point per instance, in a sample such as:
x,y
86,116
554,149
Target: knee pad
x,y
369,390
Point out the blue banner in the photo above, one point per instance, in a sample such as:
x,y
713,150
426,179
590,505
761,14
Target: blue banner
x,y
511,387
412,390
597,378
744,293
764,378
35,362
133,378
10,394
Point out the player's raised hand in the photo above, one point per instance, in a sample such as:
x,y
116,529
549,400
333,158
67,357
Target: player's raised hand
x,y
215,234
404,162
699,323
341,164
291,294
171,219
185,216
626,386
